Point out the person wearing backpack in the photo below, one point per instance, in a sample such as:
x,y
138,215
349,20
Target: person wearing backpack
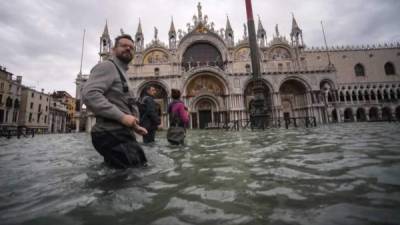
x,y
178,119
149,117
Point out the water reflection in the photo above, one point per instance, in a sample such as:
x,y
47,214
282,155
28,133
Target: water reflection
x,y
338,174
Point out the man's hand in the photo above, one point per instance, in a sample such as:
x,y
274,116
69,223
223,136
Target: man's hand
x,y
132,121
129,120
140,130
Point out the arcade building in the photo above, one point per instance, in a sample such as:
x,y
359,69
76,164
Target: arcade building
x,y
333,85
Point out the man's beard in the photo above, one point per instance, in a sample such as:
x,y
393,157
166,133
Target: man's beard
x,y
125,57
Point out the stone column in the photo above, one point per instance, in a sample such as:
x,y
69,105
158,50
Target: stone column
x,y
77,124
341,115
379,113
354,115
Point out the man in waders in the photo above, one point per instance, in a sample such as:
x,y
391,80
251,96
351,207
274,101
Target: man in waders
x,y
107,95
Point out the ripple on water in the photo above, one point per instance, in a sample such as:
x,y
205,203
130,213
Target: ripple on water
x,y
343,213
216,195
123,200
339,174
384,175
196,212
282,191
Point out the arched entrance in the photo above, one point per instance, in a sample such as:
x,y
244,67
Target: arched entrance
x,y
348,115
249,96
293,98
206,93
386,114
161,99
373,114
205,109
361,116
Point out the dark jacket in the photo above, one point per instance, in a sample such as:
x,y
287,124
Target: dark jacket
x,y
149,119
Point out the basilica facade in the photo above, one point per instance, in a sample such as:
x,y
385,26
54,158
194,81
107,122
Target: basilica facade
x,y
213,72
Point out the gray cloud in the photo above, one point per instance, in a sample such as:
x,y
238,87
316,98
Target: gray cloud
x,y
41,40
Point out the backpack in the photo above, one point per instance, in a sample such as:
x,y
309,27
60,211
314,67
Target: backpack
x,y
175,134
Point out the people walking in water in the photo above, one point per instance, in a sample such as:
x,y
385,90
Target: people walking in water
x,y
107,95
149,117
178,119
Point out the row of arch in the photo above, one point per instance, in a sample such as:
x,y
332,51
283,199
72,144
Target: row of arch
x,y
206,51
364,95
222,83
206,90
365,114
12,103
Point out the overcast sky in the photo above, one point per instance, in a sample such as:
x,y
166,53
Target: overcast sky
x,y
41,39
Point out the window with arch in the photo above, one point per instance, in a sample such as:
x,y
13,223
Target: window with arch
x,y
248,68
9,102
389,69
348,98
280,67
359,70
354,96
366,95
341,96
156,71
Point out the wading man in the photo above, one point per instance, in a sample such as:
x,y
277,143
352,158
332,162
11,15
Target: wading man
x,y
107,95
149,117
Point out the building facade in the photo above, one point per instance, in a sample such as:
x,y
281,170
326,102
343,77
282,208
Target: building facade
x,y
70,104
10,99
58,116
34,110
213,72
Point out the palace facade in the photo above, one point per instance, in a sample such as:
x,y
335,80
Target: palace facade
x,y
213,72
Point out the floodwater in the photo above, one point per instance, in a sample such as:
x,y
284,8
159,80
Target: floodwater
x,y
336,174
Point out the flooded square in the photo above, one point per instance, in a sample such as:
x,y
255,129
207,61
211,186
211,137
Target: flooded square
x,y
337,174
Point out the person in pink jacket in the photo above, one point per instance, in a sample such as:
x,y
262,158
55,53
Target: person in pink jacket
x,y
178,108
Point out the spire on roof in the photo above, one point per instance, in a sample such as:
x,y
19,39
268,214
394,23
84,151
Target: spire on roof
x,y
139,29
172,27
105,32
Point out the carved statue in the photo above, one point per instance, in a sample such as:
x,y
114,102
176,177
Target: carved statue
x,y
122,31
222,30
277,30
194,19
199,10
155,33
245,30
180,35
212,26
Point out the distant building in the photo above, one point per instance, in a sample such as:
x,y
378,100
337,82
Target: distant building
x,y
338,84
10,99
81,113
58,116
70,103
34,110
